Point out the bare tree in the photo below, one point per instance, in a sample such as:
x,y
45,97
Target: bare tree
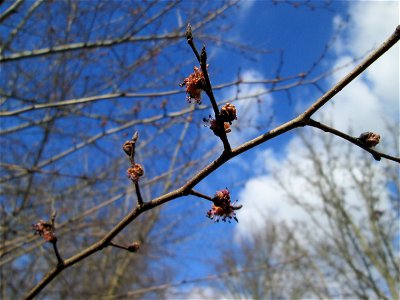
x,y
80,78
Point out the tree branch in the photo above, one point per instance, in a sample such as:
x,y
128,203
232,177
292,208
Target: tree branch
x,y
391,41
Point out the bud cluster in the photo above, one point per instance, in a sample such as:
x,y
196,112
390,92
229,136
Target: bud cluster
x,y
135,172
370,139
194,83
46,230
227,115
222,208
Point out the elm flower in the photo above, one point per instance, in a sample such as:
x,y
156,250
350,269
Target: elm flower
x,y
370,139
135,172
213,124
222,208
228,113
194,83
46,230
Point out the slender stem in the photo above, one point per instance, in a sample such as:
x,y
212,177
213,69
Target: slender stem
x,y
377,155
60,262
138,193
202,59
391,41
200,195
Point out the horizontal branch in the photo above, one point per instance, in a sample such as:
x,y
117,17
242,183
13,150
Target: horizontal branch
x,y
237,82
110,42
391,41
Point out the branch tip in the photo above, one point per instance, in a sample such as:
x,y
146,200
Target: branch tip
x,y
189,35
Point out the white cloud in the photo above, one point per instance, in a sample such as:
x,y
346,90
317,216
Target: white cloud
x,y
375,94
364,105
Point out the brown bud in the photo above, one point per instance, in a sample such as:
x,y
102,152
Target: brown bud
x,y
135,246
128,148
135,172
228,113
370,139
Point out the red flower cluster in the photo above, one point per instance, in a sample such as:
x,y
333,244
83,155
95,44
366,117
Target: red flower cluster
x,y
227,114
222,209
194,83
135,172
46,230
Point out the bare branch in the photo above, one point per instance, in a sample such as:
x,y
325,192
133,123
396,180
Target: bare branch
x,y
377,155
12,9
391,41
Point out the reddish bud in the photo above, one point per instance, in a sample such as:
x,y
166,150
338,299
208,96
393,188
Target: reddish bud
x,y
134,247
222,209
370,139
128,148
194,83
46,230
228,113
135,172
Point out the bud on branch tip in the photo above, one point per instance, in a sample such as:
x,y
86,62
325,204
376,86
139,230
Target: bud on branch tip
x,y
189,35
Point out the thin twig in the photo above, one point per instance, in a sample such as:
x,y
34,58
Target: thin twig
x,y
391,41
60,262
202,59
377,155
12,9
200,195
105,43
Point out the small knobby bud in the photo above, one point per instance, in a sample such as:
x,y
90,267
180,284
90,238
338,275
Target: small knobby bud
x,y
133,247
370,139
189,35
135,172
46,230
194,83
228,113
128,148
213,124
222,208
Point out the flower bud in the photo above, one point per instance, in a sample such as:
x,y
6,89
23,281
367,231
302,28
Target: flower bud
x,y
370,139
228,113
135,172
128,147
